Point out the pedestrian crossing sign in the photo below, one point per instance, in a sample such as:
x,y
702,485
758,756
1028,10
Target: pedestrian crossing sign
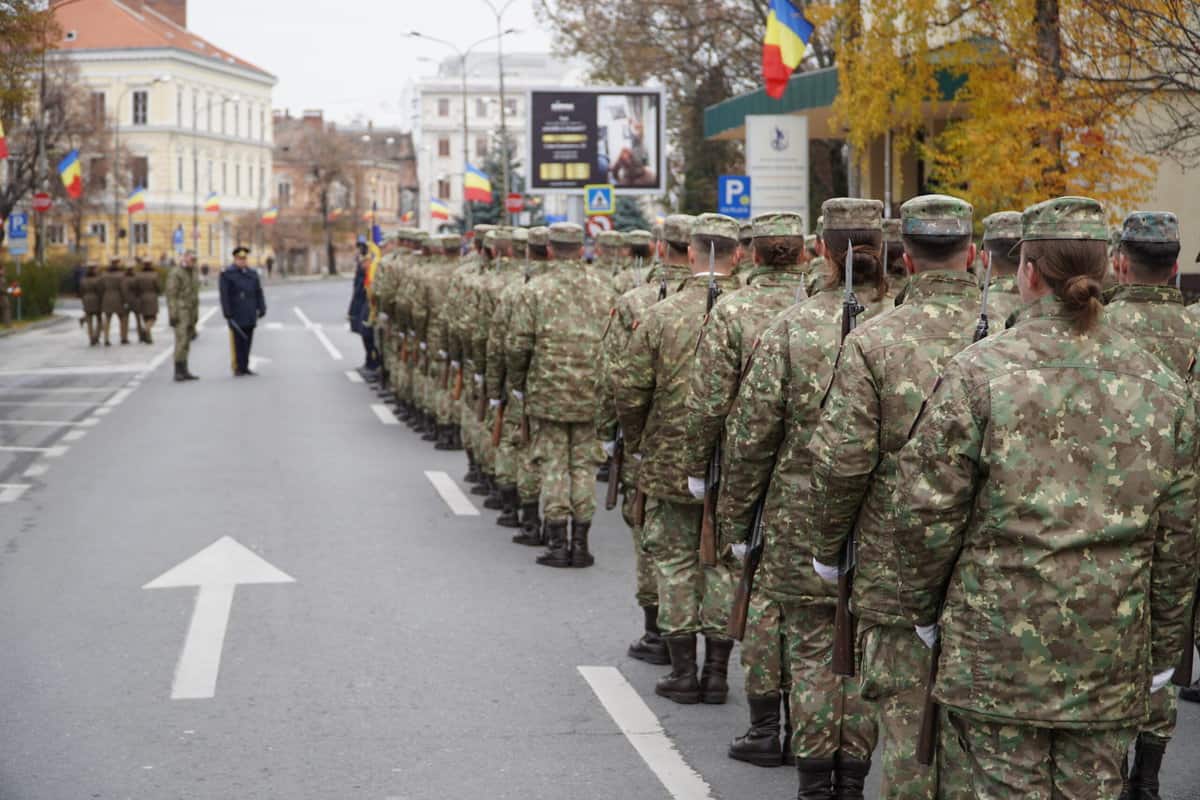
x,y
598,199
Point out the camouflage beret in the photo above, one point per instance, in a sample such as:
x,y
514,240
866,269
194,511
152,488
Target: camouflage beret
x,y
1002,225
449,241
1150,226
566,233
820,226
539,236
639,237
677,228
482,228
503,233
716,225
936,215
746,231
610,239
891,230
520,234
777,223
851,214
1080,218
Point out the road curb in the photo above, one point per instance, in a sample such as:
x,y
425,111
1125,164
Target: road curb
x,y
57,319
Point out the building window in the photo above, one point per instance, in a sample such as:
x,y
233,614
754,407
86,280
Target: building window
x,y
262,124
211,185
481,146
510,106
212,240
249,125
98,117
443,107
284,190
141,107
237,120
100,231
480,107
224,178
444,147
56,233
443,189
98,173
141,233
222,116
179,106
139,171
195,111
237,179
208,112
249,178
179,176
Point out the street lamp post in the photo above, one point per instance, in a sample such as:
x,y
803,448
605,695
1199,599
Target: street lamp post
x,y
499,12
116,172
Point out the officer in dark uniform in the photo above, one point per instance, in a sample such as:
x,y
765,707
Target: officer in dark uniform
x,y
243,305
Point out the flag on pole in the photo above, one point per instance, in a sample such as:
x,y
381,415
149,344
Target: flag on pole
x,y
334,214
439,210
407,216
787,38
136,201
212,203
3,142
477,187
270,216
71,174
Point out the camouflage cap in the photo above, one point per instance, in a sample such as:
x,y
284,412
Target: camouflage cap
x,y
891,230
820,229
716,225
520,235
449,241
1079,218
1002,225
566,233
503,233
677,228
851,214
657,232
746,231
482,229
778,223
639,237
936,215
610,239
1114,236
539,236
1150,226
810,241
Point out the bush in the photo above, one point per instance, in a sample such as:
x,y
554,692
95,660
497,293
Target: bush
x,y
40,286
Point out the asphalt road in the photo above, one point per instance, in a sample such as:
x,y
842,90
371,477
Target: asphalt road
x,y
377,643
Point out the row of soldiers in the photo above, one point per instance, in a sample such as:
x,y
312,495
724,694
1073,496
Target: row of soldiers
x,y
961,519
121,293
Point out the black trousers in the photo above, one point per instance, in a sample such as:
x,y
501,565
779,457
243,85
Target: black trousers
x,y
372,354
239,348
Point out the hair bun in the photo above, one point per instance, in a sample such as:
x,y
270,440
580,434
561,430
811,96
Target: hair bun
x,y
1080,290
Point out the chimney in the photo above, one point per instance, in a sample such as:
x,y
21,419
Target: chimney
x,y
314,119
174,10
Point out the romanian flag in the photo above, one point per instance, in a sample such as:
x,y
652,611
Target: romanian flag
x,y
71,174
3,142
334,214
136,201
212,204
439,210
787,38
270,216
477,187
407,216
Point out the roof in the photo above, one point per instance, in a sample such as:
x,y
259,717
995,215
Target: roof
x,y
113,25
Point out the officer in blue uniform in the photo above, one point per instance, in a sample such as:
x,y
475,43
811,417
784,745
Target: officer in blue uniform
x,y
243,305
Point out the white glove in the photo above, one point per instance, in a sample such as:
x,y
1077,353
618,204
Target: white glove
x,y
928,634
453,364
610,448
739,550
637,456
519,395
696,487
422,345
828,574
1161,679
493,403
478,376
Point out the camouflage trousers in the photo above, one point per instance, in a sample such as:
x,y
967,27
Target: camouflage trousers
x,y
567,455
1010,760
828,713
763,661
183,338
1164,706
894,671
692,598
508,451
645,576
529,475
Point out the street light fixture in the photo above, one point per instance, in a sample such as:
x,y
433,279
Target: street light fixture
x,y
499,13
116,171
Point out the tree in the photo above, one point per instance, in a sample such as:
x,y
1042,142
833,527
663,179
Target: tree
x,y
628,216
492,212
328,157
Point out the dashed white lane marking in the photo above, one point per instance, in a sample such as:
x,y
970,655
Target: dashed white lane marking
x,y
49,423
10,492
36,470
57,451
451,494
642,729
73,436
118,398
334,353
49,403
205,317
274,326
100,412
385,414
353,376
53,389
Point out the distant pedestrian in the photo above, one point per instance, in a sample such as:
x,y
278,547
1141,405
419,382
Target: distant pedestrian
x,y
112,302
129,305
243,305
183,307
89,294
148,291
270,266
359,313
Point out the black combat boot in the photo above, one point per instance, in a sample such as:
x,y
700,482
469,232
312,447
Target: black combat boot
x,y
650,648
681,684
556,540
816,778
494,501
414,418
713,683
444,438
429,428
179,378
484,487
187,373
511,518
1191,693
1147,760
458,442
580,557
760,744
531,526
851,776
472,475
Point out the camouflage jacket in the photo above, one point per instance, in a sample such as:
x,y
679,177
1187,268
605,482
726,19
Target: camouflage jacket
x,y
553,346
89,292
504,272
457,299
814,275
1004,299
885,371
651,386
725,343
183,295
435,305
1155,318
496,377
1048,505
767,435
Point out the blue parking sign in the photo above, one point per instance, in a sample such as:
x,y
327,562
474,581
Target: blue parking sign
x,y
17,235
733,196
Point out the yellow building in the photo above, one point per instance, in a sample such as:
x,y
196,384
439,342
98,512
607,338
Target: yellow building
x,y
190,122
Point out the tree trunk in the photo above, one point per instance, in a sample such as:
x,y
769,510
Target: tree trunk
x,y
331,263
1048,43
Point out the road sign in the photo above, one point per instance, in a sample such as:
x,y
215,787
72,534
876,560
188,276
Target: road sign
x,y
41,202
177,239
598,199
514,203
733,193
597,225
17,235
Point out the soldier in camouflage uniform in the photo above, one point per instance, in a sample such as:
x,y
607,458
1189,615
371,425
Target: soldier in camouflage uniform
x,y
609,255
815,272
767,460
553,351
1001,232
893,246
183,311
458,300
1045,521
663,279
651,386
435,323
640,245
1149,310
885,369
746,262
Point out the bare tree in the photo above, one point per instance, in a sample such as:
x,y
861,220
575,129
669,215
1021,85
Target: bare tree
x,y
328,157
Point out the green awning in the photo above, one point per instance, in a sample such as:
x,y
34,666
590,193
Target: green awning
x,y
805,90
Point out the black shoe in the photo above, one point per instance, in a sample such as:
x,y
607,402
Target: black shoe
x,y
816,778
556,540
650,647
580,557
760,744
531,526
249,371
1191,693
493,502
179,373
473,475
680,685
484,487
851,777
714,683
603,472
1147,761
511,517
187,373
444,441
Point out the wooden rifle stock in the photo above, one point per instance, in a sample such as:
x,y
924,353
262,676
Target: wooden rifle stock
x,y
458,385
614,475
498,425
638,512
708,529
927,740
481,406
1183,672
844,624
740,611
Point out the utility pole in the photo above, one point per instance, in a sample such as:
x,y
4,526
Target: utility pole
x,y
503,108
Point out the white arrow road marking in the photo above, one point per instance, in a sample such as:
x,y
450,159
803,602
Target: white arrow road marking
x,y
217,570
642,729
334,353
353,376
451,494
10,492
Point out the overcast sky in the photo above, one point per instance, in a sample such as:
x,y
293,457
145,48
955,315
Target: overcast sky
x,y
349,57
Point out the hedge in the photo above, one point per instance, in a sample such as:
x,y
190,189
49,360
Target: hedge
x,y
40,286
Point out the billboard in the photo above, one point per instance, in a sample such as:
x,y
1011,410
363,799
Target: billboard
x,y
588,136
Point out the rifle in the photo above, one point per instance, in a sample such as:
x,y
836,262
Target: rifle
x,y
481,405
844,624
403,348
458,384
981,328
1183,672
524,430
498,425
745,587
638,512
708,520
927,739
614,477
